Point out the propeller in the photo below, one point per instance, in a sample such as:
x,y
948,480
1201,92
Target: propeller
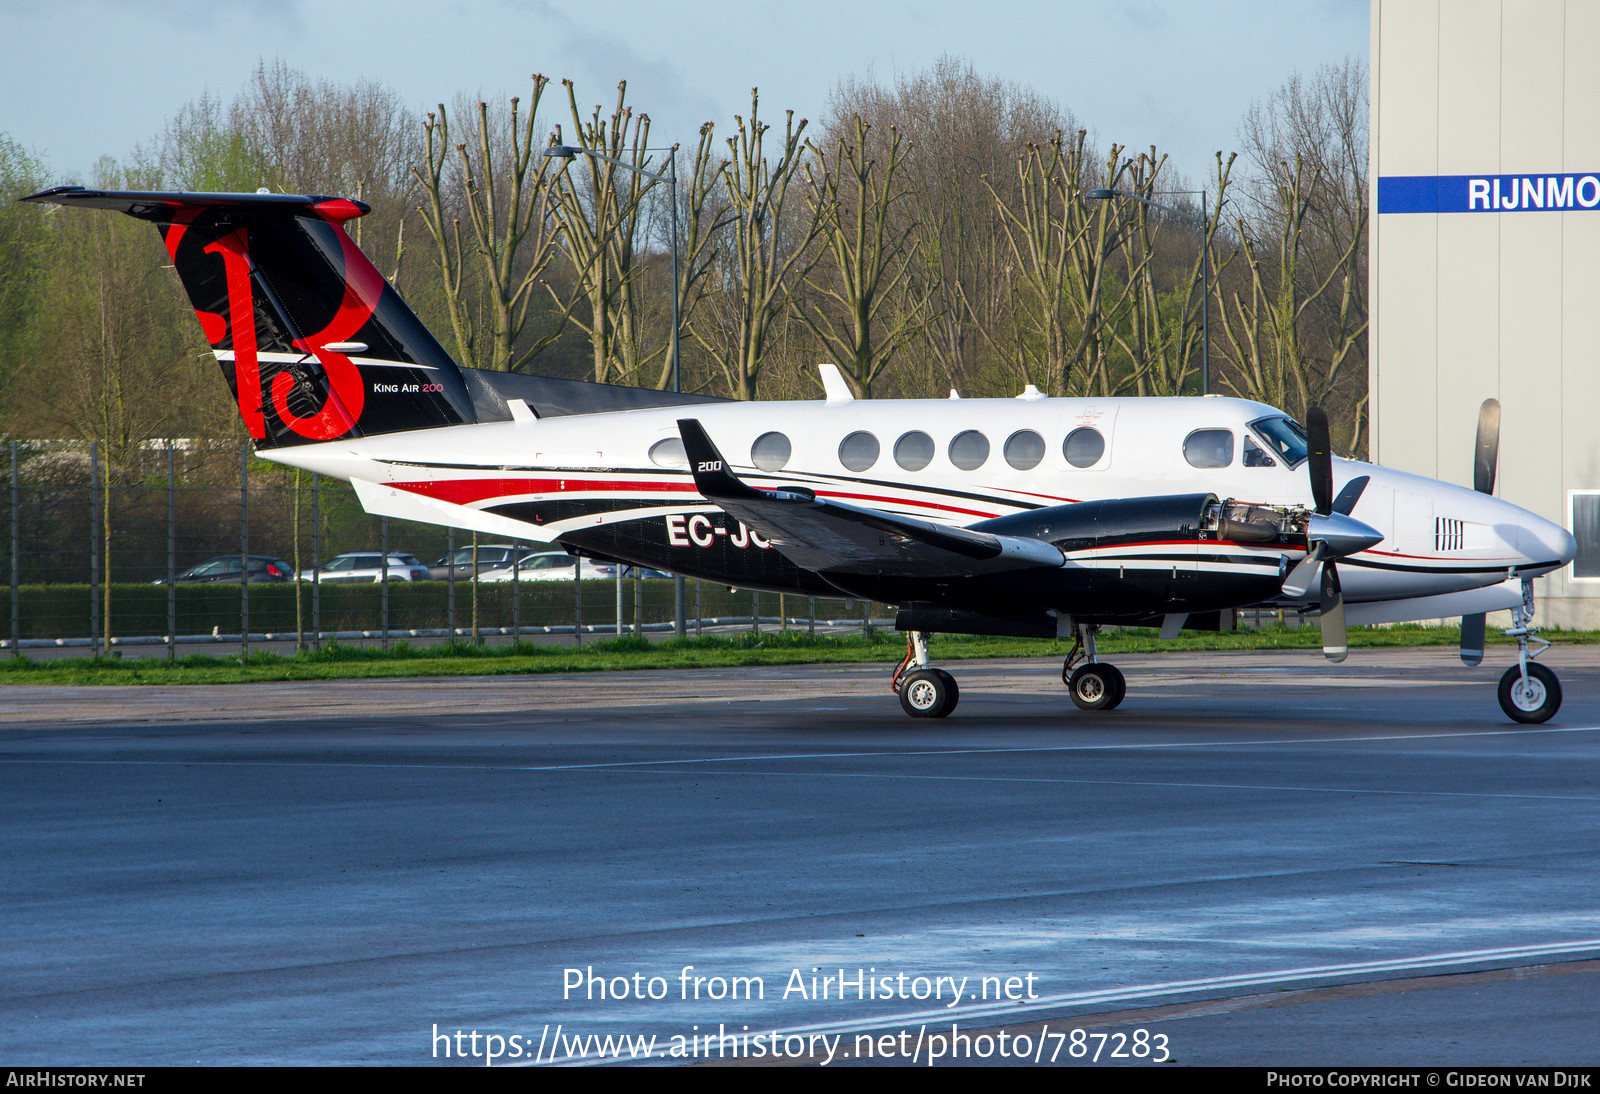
x,y
1485,462
1330,534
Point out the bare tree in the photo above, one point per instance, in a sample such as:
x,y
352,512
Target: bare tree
x,y
769,249
511,229
601,219
1298,330
859,314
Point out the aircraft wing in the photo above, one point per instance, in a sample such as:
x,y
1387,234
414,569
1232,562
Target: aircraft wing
x,y
832,537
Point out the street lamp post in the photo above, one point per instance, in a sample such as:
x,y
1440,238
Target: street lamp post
x,y
567,152
1205,265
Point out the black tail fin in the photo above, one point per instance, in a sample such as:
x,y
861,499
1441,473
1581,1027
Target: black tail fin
x,y
315,344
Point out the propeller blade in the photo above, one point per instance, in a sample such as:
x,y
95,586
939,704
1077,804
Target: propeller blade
x,y
1305,573
1486,457
1319,462
1335,642
1472,632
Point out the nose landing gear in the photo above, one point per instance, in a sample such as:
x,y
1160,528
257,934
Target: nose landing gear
x,y
1529,693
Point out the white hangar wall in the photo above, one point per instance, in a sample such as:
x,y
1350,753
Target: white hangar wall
x,y
1485,257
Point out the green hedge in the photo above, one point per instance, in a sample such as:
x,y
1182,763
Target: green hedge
x,y
63,611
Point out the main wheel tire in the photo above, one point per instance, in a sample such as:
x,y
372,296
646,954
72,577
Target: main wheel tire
x,y
928,693
1119,682
1537,701
1093,688
955,693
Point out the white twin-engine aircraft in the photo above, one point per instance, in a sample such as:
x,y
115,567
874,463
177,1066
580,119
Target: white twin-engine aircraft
x,y
1028,516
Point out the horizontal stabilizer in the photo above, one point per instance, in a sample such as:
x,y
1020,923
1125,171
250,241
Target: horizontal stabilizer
x,y
386,501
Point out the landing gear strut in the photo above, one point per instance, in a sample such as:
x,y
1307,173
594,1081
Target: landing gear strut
x,y
1093,685
924,692
1529,693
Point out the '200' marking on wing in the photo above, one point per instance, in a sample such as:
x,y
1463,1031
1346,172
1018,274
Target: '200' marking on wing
x,y
697,530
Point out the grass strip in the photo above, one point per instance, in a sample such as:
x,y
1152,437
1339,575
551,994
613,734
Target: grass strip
x,y
335,662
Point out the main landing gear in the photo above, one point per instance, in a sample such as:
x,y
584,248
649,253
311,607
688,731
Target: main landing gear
x,y
927,692
1092,684
1529,693
924,692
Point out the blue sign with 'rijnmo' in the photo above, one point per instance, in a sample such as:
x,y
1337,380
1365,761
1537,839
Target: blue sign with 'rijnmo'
x,y
1487,193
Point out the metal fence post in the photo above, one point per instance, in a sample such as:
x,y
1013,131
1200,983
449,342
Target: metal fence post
x,y
477,637
450,578
94,548
16,589
755,610
699,608
680,625
619,601
244,550
383,576
516,591
577,602
316,561
172,554
638,601
811,628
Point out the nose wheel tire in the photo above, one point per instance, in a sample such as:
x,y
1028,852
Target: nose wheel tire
x,y
929,693
1097,687
1535,701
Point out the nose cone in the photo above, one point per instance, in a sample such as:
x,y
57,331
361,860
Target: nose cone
x,y
1546,545
1343,535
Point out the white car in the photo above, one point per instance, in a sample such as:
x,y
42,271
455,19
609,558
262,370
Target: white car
x,y
368,566
549,566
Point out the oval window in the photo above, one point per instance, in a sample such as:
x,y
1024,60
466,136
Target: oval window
x,y
1083,447
1024,449
858,451
670,453
770,452
1209,448
969,449
914,451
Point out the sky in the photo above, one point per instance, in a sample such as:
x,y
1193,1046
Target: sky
x,y
86,78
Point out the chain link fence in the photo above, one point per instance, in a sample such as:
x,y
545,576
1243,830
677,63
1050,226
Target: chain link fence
x,y
109,549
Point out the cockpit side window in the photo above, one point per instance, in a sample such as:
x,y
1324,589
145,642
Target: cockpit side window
x,y
1283,438
1255,457
1209,448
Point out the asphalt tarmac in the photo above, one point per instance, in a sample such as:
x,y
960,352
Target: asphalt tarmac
x,y
1259,859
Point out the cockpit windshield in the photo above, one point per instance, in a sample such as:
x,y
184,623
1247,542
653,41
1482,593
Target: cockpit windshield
x,y
1283,436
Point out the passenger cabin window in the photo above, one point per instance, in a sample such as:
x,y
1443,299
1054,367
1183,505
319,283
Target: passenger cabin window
x,y
770,452
968,450
1083,447
669,453
1209,448
914,451
858,451
1255,457
1024,449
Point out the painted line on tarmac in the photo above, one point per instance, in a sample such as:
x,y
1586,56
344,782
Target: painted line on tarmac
x,y
780,756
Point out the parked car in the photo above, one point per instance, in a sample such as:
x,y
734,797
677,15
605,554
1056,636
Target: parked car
x,y
549,566
263,568
356,566
491,556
